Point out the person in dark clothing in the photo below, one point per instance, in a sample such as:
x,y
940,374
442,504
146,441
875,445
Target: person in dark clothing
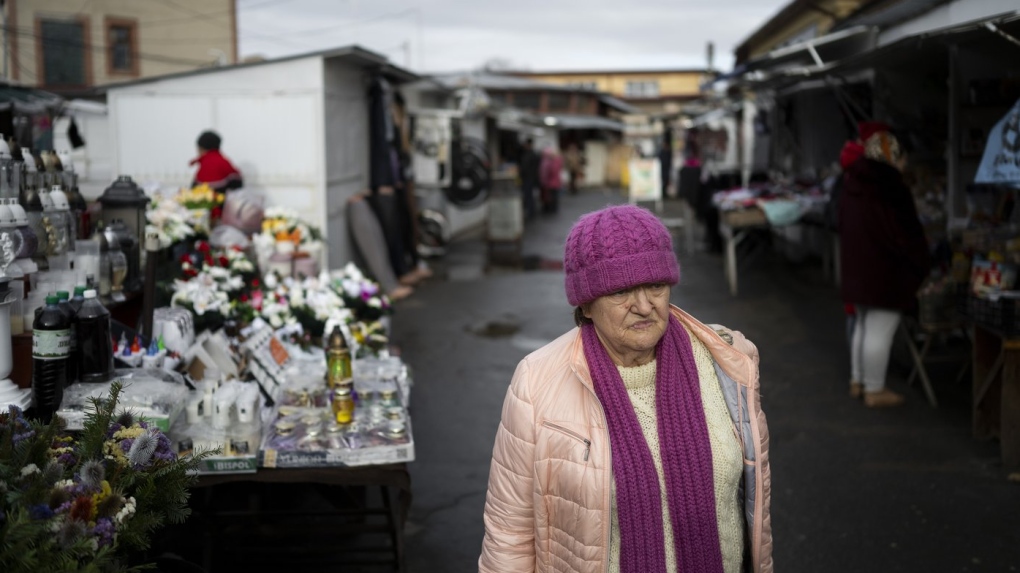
x,y
666,163
529,165
885,258
214,169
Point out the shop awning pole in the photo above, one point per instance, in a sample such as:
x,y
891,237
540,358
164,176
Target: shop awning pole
x,y
1005,35
953,145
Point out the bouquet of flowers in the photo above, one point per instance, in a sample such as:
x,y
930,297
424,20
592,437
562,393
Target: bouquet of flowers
x,y
84,503
360,294
370,337
283,224
204,205
168,219
311,302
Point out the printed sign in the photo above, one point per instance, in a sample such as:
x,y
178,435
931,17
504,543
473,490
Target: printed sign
x,y
645,180
1001,161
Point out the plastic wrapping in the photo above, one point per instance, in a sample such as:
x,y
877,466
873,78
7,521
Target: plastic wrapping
x,y
153,394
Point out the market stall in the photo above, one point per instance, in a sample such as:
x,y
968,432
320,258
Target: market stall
x,y
209,317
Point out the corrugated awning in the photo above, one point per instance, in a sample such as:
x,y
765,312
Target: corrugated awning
x,y
27,100
817,51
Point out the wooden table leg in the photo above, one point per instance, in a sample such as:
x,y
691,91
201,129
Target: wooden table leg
x,y
985,408
1009,430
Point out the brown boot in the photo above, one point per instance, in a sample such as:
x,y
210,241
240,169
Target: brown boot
x,y
884,398
856,389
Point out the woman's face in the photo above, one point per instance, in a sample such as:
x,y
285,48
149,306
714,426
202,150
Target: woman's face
x,y
631,322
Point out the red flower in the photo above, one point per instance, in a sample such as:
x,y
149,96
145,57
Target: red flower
x,y
255,283
244,297
237,249
208,259
190,273
203,247
216,212
81,509
224,262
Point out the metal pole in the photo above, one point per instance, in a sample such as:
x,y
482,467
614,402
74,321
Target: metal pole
x,y
7,51
953,145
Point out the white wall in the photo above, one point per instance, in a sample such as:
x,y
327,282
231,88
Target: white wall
x,y
270,117
346,151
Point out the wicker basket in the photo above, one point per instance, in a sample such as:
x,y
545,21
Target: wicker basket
x,y
744,217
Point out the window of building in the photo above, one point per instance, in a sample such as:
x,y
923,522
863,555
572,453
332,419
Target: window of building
x,y
642,89
122,46
527,100
590,86
558,101
63,53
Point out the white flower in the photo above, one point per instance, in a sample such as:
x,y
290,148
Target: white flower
x,y
29,470
275,321
127,511
374,302
270,281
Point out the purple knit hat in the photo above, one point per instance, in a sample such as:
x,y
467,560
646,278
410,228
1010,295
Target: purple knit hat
x,y
616,248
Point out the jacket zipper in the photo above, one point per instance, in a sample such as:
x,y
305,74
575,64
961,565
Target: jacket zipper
x,y
572,434
609,464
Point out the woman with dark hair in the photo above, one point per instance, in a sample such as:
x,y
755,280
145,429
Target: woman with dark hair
x,y
214,169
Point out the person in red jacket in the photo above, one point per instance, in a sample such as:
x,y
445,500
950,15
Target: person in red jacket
x,y
214,169
885,258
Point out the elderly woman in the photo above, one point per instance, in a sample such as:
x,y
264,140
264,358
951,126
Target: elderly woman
x,y
635,442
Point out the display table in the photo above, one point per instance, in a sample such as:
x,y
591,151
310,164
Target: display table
x,y
996,391
393,481
735,226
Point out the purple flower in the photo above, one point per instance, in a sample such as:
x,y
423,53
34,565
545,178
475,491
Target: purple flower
x,y
67,459
125,445
40,511
104,531
18,437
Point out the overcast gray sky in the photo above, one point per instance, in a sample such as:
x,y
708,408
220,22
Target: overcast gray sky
x,y
454,35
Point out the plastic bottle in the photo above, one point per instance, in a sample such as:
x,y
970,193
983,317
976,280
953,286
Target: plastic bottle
x,y
51,345
64,302
95,342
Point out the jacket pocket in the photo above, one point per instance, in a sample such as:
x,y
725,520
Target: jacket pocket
x,y
571,434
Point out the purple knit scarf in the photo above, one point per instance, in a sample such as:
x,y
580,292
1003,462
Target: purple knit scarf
x,y
686,459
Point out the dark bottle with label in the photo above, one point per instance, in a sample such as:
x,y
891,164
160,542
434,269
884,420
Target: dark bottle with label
x,y
51,346
64,302
95,344
75,305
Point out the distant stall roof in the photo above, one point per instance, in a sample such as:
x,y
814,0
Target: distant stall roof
x,y
355,54
582,122
27,100
493,81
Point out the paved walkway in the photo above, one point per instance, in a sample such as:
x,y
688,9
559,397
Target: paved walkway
x,y
853,489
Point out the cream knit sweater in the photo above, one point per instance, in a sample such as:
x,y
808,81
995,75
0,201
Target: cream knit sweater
x,y
727,460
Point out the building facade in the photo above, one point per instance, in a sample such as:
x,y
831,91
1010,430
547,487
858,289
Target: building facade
x,y
654,92
68,47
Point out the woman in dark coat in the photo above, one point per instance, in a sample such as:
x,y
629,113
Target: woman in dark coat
x,y
885,258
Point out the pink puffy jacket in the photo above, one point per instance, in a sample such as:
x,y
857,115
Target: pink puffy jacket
x,y
548,503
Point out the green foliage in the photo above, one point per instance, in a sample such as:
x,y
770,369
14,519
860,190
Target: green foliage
x,y
56,516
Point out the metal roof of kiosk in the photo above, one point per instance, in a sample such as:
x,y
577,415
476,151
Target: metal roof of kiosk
x,y
353,54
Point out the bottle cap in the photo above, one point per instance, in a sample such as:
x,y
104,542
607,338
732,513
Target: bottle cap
x,y
63,295
90,293
52,299
80,290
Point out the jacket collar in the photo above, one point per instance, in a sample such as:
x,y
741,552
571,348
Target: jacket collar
x,y
733,358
